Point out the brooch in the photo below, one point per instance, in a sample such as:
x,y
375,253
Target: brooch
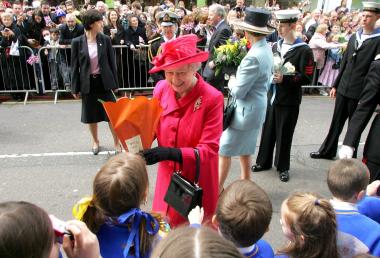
x,y
197,104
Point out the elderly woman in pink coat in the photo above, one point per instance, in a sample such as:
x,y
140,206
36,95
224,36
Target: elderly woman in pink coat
x,y
191,118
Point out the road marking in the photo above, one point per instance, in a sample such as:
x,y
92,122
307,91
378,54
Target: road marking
x,y
71,153
55,154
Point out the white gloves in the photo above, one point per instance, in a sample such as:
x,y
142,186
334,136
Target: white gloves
x,y
373,187
345,152
231,82
196,215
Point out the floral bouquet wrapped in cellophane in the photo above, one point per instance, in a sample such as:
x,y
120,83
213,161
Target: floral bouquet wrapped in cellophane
x,y
228,57
280,67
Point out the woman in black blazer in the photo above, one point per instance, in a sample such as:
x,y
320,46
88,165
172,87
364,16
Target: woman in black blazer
x,y
93,73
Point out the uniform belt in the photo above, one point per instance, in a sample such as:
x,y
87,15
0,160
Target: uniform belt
x,y
94,76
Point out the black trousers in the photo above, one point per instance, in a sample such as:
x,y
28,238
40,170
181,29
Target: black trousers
x,y
344,108
371,150
278,129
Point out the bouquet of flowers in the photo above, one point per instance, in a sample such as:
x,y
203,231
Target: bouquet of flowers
x,y
228,57
280,67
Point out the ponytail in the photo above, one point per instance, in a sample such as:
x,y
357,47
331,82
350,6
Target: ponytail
x,y
86,211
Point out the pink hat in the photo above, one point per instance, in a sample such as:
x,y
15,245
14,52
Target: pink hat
x,y
177,52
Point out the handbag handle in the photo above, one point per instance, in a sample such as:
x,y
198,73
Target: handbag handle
x,y
230,97
197,166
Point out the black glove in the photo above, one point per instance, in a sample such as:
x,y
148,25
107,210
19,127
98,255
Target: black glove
x,y
157,154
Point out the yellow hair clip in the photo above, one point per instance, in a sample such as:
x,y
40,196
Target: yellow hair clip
x,y
81,207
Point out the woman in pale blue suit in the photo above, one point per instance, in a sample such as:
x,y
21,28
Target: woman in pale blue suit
x,y
250,89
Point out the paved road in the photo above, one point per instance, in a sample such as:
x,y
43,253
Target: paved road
x,y
45,158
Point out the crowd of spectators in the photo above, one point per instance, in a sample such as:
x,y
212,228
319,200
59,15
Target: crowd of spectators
x,y
36,24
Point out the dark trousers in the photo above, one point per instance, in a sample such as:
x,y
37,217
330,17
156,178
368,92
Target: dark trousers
x,y
344,108
371,150
278,129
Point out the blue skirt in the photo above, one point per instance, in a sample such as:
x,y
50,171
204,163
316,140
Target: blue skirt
x,y
238,142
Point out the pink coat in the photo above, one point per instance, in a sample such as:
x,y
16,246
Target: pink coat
x,y
193,121
319,45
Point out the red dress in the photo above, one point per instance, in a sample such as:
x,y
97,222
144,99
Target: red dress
x,y
193,121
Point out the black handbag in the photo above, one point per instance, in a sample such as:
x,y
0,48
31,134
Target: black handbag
x,y
182,194
229,111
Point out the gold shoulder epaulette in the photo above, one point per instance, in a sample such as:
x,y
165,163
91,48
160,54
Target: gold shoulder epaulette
x,y
153,40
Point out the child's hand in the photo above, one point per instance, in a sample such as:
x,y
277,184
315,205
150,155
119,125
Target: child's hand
x,y
372,188
85,244
196,215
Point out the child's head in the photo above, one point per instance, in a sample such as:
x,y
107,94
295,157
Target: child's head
x,y
243,205
309,223
190,242
25,231
54,34
120,185
335,29
238,33
347,179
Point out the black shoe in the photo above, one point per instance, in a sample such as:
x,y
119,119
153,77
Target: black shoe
x,y
284,175
258,168
318,155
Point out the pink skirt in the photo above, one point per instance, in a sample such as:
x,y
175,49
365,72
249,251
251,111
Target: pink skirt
x,y
328,74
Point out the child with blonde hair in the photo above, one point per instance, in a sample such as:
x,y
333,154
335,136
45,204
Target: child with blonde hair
x,y
309,223
113,212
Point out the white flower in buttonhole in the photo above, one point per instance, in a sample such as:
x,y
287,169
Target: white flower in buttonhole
x,y
279,66
289,68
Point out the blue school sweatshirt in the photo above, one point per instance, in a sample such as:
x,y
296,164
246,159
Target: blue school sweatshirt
x,y
359,226
370,206
261,249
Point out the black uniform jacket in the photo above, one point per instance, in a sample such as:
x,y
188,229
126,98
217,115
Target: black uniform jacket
x,y
355,64
368,101
80,65
289,92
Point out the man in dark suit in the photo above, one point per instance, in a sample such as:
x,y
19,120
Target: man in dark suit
x,y
222,32
369,99
68,32
362,48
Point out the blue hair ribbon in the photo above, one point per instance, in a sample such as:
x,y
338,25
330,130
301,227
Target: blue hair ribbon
x,y
136,215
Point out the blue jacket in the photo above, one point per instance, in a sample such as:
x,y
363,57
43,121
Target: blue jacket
x,y
250,89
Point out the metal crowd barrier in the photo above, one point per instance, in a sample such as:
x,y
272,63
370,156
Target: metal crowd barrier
x,y
18,72
51,73
132,69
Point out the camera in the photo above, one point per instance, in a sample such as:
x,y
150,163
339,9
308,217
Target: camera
x,y
59,227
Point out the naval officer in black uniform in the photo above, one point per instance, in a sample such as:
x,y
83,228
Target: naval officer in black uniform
x,y
369,99
285,98
362,48
169,27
